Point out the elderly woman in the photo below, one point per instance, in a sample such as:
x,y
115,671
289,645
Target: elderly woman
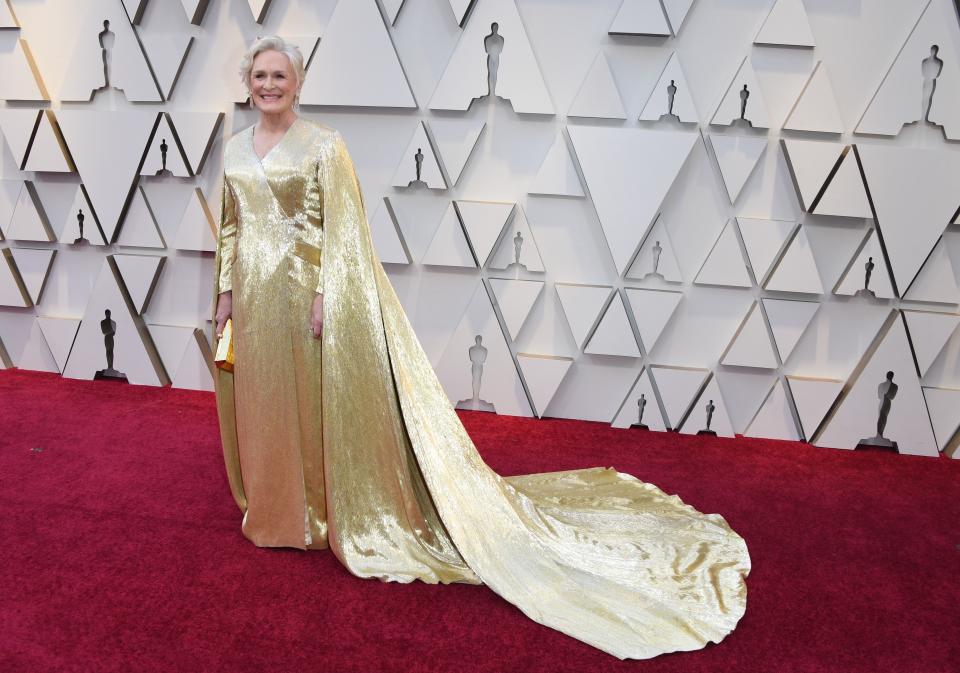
x,y
337,433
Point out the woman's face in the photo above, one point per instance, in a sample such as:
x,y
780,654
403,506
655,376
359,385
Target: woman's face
x,y
273,83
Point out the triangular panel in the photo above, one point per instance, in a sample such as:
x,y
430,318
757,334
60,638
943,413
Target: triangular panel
x,y
737,157
598,96
724,265
581,306
543,375
709,409
786,25
627,208
613,335
356,35
751,346
678,387
816,109
764,240
515,299
670,95
557,175
775,419
788,321
929,333
652,310
743,100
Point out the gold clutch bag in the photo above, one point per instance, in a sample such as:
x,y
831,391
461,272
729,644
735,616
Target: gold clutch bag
x,y
224,357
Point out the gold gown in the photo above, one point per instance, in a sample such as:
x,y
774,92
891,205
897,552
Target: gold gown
x,y
349,441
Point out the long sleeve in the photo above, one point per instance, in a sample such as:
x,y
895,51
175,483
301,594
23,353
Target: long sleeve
x,y
227,239
342,197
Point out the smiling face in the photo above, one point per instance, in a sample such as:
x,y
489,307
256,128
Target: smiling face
x,y
273,83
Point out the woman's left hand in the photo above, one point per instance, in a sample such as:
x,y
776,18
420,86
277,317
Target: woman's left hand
x,y
316,316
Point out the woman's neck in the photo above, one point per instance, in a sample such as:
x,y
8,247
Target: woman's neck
x,y
277,123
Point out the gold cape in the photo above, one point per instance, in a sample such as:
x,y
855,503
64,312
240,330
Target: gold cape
x,y
396,487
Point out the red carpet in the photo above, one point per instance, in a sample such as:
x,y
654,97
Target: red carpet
x,y
120,550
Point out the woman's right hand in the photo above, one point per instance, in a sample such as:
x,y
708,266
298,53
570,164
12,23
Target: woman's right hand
x,y
224,310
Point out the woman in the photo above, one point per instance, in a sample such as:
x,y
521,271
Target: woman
x,y
337,433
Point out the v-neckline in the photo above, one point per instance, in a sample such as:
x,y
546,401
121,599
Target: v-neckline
x,y
277,144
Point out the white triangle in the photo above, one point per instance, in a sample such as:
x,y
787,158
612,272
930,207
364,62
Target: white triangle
x,y
17,126
167,53
9,197
929,333
107,147
613,335
557,175
386,237
153,162
70,231
19,82
406,173
786,25
392,8
797,270
456,139
774,420
36,355
356,64
259,9
640,17
171,343
581,306
483,221
944,408
499,380
724,265
845,195
59,334
10,293
139,273
598,96
677,389
515,298
658,102
28,223
719,419
132,354
764,240
518,236
677,12
854,277
459,8
810,164
196,226
196,131
813,398
519,79
629,413
194,370
937,280
788,321
47,153
751,346
652,310
543,375
139,228
84,76
194,10
907,422
656,259
627,208
914,193
449,247
737,157
816,109
34,268
902,95
730,105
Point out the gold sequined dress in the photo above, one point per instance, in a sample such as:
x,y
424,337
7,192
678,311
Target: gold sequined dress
x,y
349,441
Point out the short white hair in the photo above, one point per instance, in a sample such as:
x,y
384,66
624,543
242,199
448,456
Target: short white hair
x,y
272,43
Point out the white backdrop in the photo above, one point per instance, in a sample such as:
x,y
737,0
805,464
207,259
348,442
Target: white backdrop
x,y
761,233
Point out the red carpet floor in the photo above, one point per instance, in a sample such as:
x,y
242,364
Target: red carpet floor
x,y
120,550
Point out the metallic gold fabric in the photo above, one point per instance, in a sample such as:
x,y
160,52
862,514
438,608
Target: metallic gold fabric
x,y
594,553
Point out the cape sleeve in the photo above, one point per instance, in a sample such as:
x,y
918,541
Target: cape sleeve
x,y
226,239
342,196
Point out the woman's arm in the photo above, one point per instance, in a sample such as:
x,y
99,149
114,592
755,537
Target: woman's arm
x,y
226,253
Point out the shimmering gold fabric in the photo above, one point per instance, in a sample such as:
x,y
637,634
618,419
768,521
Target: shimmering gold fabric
x,y
402,493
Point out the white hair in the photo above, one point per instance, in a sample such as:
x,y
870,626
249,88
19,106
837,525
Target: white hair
x,y
272,43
